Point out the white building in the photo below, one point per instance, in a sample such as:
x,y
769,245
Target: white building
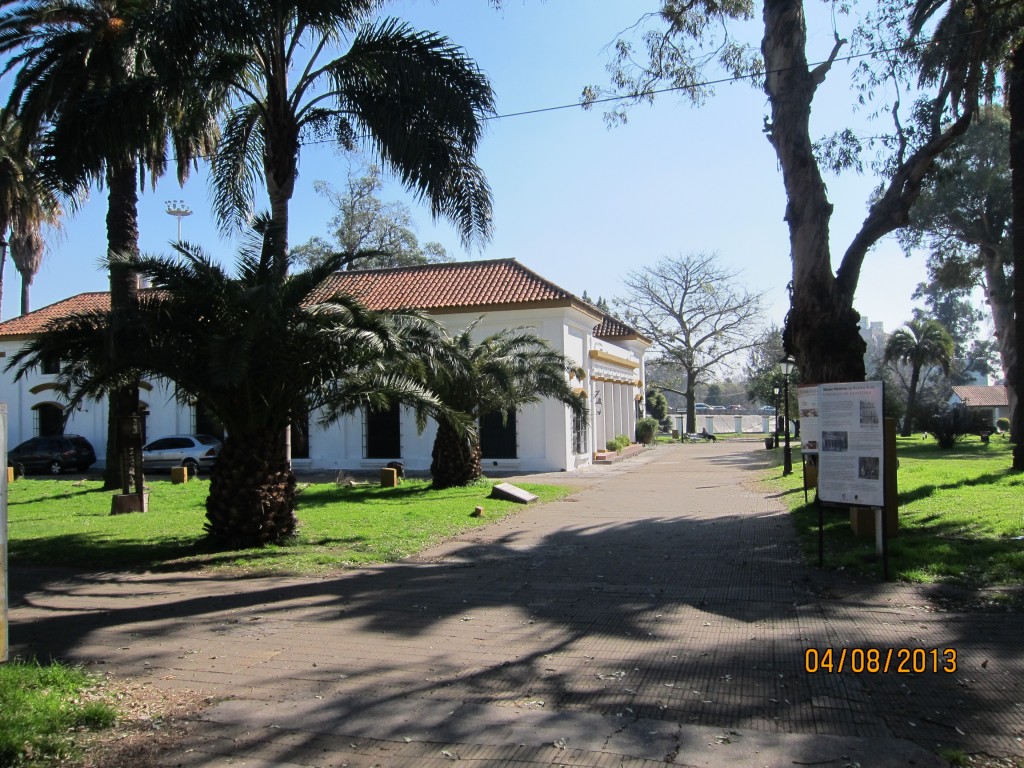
x,y
991,401
539,437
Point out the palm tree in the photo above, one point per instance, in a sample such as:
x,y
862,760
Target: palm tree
x,y
98,75
27,199
502,372
413,97
27,249
917,344
256,349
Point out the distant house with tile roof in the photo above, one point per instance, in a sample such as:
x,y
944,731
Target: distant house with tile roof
x,y
992,401
505,294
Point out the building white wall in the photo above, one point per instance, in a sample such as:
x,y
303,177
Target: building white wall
x,y
544,430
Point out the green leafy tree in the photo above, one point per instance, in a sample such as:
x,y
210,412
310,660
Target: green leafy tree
x,y
413,97
28,199
714,394
498,374
370,233
95,74
964,219
918,344
696,313
256,349
657,406
984,39
682,42
764,374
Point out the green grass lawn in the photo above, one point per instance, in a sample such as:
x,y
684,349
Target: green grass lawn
x,y
961,517
65,522
41,708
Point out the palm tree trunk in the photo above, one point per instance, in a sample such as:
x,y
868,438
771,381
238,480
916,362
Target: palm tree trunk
x,y
3,263
252,492
122,470
915,376
26,284
455,458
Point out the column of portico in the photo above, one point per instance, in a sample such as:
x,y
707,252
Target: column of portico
x,y
626,410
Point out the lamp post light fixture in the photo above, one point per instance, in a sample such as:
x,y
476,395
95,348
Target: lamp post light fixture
x,y
178,210
787,364
775,416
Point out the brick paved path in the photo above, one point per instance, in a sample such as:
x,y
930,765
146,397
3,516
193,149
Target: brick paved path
x,y
660,615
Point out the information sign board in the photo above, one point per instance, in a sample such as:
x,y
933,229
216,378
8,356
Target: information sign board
x,y
810,420
850,467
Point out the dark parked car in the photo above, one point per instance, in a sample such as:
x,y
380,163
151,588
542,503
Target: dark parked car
x,y
193,451
53,454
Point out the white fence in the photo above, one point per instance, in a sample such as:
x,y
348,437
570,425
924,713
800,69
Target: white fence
x,y
717,424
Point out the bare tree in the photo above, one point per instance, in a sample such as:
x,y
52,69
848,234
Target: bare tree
x,y
696,313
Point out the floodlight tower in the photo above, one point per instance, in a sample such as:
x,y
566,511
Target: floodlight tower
x,y
179,210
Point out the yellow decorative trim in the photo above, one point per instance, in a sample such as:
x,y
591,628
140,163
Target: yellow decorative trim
x,y
609,380
42,388
580,392
605,357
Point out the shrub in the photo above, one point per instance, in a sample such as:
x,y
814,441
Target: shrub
x,y
646,429
613,445
954,424
623,441
1003,424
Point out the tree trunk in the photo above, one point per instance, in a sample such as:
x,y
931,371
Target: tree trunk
x,y
279,171
455,459
822,329
3,263
122,238
999,296
1015,87
252,492
26,284
691,415
915,378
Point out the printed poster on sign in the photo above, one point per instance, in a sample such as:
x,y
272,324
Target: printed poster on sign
x,y
851,443
810,420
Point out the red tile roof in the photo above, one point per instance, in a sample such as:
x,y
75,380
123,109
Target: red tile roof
x,y
613,328
982,397
35,322
453,287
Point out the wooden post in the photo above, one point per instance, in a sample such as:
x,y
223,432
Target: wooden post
x,y
388,477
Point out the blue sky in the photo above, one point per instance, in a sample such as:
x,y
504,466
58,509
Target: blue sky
x,y
579,203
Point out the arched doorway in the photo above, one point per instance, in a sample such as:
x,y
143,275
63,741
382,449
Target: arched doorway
x,y
49,419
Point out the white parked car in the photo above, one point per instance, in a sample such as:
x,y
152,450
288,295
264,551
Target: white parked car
x,y
197,452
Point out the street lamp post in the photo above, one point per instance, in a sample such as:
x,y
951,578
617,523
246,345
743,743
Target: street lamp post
x,y
787,364
775,416
178,210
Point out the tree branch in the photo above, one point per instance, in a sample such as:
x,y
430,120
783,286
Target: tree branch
x,y
819,72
